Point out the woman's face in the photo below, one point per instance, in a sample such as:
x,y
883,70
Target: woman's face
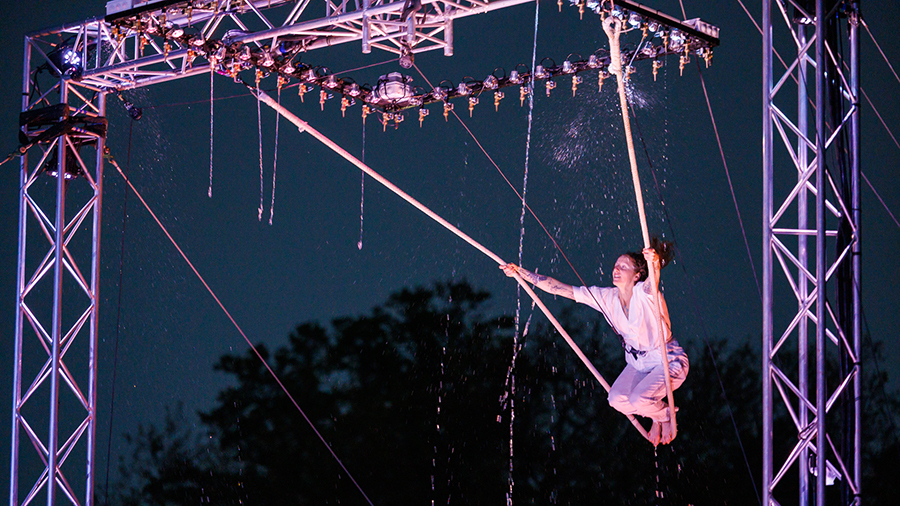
x,y
625,272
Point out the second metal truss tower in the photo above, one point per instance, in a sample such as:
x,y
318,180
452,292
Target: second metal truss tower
x,y
811,319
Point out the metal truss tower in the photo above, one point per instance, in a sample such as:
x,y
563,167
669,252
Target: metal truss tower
x,y
60,189
70,70
811,319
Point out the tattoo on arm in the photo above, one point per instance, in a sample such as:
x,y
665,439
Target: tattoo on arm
x,y
547,284
558,288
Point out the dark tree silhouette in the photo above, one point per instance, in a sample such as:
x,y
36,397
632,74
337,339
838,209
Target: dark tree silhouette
x,y
415,400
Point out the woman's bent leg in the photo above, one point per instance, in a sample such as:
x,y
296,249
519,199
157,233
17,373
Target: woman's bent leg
x,y
622,388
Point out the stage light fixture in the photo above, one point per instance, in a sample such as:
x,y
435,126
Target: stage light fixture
x,y
463,89
567,67
67,60
406,56
134,111
332,81
245,55
491,83
51,165
267,60
514,77
635,20
393,86
288,68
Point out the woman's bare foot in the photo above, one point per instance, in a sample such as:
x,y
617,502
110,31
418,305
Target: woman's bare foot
x,y
655,432
667,432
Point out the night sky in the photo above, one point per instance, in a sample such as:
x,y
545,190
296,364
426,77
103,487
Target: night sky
x,y
308,266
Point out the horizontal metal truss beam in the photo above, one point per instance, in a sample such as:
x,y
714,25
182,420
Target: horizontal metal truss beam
x,y
134,49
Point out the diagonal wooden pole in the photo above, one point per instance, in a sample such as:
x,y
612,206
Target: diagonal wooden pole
x,y
304,127
613,28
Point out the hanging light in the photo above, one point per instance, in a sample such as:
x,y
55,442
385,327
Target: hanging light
x,y
491,83
540,73
593,62
514,77
73,168
406,56
267,60
677,37
463,89
392,87
354,90
635,20
245,55
567,67
439,93
134,111
288,68
67,60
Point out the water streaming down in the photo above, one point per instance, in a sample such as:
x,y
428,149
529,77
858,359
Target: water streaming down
x,y
362,190
511,378
259,123
437,423
554,492
212,74
275,160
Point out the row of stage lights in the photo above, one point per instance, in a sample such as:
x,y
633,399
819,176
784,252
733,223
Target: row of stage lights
x,y
394,93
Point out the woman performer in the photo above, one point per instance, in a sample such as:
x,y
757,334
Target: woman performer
x,y
631,309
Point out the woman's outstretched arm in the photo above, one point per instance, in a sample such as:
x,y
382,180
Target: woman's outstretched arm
x,y
545,283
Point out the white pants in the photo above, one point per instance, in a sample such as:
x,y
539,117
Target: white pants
x,y
642,393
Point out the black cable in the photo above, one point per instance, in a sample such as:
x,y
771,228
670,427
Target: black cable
x,y
112,401
697,311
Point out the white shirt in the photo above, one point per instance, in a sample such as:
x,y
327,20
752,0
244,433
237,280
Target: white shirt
x,y
640,328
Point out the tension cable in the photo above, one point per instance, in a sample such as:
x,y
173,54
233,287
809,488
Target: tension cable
x,y
236,326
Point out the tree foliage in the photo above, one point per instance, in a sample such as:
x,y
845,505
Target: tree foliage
x,y
416,399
